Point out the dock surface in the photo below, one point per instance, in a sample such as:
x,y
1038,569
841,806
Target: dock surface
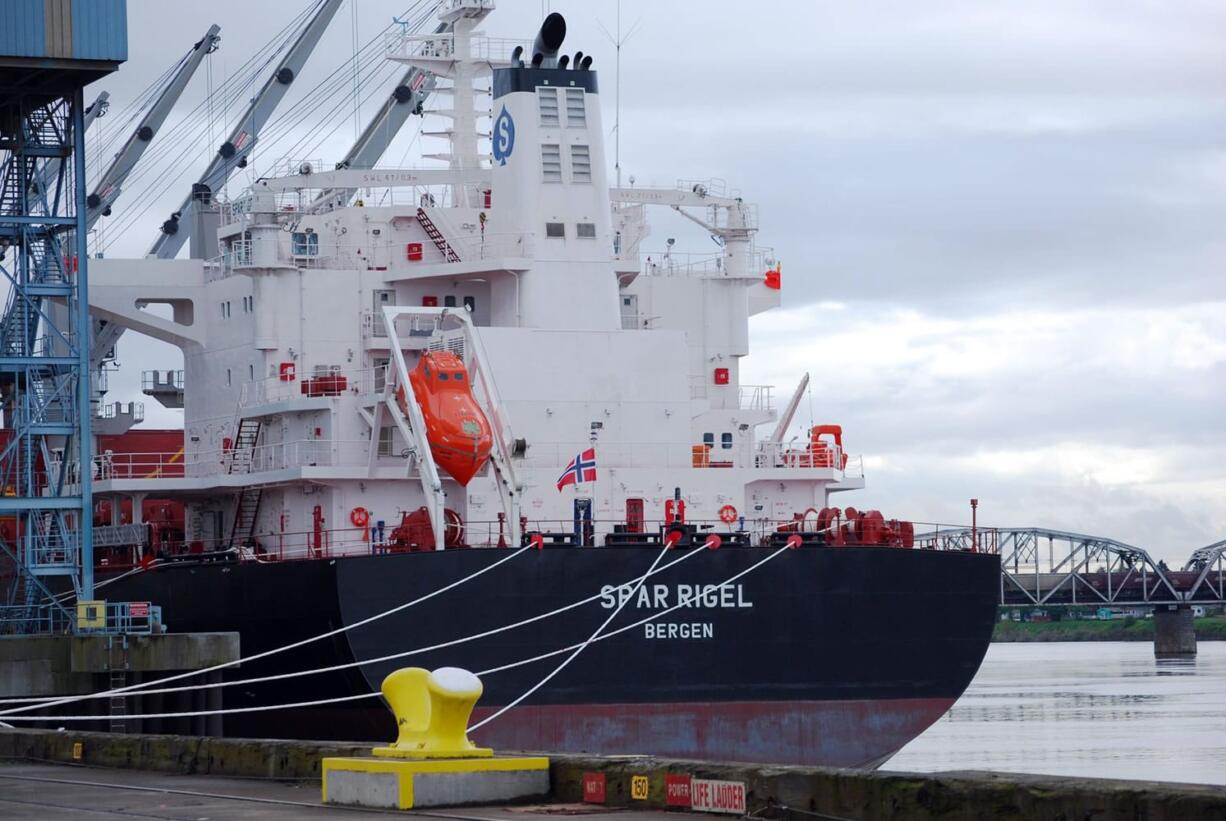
x,y
51,792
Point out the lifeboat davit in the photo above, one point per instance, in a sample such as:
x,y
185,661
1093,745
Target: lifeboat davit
x,y
457,430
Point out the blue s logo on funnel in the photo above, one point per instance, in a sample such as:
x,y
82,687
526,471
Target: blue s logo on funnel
x,y
504,136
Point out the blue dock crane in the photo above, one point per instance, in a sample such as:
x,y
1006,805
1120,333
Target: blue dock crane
x,y
49,51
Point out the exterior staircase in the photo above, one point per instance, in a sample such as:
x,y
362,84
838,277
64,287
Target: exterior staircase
x,y
247,507
436,236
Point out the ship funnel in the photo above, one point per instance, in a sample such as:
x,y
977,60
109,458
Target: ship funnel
x,y
563,61
517,56
549,40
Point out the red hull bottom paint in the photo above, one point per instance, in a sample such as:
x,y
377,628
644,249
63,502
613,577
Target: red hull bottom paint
x,y
861,734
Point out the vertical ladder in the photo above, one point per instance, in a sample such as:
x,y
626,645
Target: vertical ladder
x,y
117,677
247,506
436,236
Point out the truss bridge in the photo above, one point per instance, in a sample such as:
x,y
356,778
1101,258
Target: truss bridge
x,y
1043,567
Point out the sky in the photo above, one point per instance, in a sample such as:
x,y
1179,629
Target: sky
x,y
1001,224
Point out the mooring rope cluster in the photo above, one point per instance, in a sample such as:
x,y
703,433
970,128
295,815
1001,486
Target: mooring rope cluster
x,y
574,649
668,545
378,659
274,651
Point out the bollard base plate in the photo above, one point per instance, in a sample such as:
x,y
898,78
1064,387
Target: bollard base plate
x,y
402,784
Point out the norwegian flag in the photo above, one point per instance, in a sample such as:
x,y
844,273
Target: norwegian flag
x,y
581,469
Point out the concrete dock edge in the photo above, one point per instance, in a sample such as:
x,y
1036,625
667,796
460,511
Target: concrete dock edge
x,y
777,792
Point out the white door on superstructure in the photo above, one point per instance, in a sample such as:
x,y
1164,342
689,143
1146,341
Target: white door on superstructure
x,y
630,312
382,299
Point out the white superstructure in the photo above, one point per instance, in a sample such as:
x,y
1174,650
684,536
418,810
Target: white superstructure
x,y
515,254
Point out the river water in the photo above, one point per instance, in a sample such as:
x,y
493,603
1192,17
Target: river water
x,y
1100,709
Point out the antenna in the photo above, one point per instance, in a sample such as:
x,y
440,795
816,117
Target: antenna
x,y
618,42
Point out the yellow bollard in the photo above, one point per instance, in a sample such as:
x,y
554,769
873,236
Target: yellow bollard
x,y
432,712
432,763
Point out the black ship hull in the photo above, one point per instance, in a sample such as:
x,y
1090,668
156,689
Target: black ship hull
x,y
822,656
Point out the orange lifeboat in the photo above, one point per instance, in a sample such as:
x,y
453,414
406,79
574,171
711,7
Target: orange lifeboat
x,y
457,430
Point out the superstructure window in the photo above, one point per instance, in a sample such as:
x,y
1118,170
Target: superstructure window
x,y
551,162
576,113
547,103
556,230
585,230
580,163
726,440
708,439
304,244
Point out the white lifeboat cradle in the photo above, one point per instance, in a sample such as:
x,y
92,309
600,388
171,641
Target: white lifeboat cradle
x,y
522,259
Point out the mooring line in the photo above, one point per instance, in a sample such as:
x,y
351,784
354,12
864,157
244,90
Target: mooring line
x,y
266,653
44,702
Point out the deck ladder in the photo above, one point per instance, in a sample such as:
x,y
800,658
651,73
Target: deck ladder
x,y
248,505
436,236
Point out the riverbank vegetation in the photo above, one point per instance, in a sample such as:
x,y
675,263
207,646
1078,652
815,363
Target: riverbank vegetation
x,y
1127,628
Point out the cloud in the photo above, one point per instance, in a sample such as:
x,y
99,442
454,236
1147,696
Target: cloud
x,y
1068,418
1000,224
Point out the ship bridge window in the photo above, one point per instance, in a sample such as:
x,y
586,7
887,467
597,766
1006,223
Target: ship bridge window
x,y
725,439
551,162
442,376
585,230
576,114
304,244
459,376
547,103
580,163
556,230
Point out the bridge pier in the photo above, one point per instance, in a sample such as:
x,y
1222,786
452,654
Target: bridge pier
x,y
1174,637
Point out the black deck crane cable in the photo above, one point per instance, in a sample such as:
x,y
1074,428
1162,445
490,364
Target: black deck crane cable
x,y
310,106
341,76
103,146
374,83
167,154
133,218
372,73
234,87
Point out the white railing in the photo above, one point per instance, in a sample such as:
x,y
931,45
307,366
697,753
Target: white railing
x,y
756,397
114,410
378,256
153,380
301,453
335,382
688,264
612,454
441,46
771,455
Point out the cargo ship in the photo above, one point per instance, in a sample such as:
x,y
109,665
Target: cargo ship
x,y
395,378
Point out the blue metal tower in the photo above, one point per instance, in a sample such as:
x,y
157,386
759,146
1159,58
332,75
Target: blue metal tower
x,y
49,51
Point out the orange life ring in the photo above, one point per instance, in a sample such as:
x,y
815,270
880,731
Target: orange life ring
x,y
727,514
360,517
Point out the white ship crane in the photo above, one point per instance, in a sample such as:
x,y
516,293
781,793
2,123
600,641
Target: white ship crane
x,y
237,147
110,184
303,434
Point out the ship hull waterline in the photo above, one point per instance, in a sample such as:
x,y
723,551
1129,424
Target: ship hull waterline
x,y
823,656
